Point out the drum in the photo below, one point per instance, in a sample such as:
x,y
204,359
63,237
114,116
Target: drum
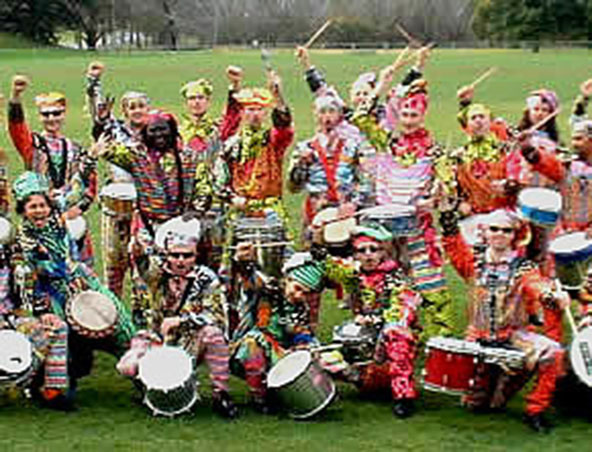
x,y
301,384
263,230
6,231
450,365
400,220
176,225
506,358
119,197
469,228
572,254
541,206
358,341
76,228
580,355
336,233
17,359
169,380
92,314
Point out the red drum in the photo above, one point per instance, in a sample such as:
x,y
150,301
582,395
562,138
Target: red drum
x,y
451,365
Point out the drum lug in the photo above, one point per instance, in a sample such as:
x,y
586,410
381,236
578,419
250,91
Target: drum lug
x,y
471,382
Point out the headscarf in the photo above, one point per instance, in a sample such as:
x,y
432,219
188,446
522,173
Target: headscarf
x,y
304,269
50,101
29,183
545,95
376,233
254,97
196,87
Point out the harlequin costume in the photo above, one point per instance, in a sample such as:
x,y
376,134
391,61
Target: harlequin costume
x,y
71,172
403,156
115,226
386,298
167,183
53,273
503,294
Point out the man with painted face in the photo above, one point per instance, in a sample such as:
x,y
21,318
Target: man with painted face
x,y
187,308
169,181
71,171
115,226
504,288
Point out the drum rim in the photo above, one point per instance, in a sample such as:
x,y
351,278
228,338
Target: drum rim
x,y
153,350
293,378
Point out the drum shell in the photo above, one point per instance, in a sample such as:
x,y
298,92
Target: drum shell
x,y
116,205
20,379
308,393
174,401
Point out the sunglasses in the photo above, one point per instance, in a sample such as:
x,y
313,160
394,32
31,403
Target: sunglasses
x,y
370,249
501,229
54,113
187,255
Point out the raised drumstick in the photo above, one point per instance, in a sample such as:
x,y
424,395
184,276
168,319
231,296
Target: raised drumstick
x,y
544,121
407,35
483,76
318,33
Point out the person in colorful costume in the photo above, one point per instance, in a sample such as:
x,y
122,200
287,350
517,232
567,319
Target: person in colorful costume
x,y
384,299
170,181
272,318
205,136
115,226
71,171
188,308
50,271
505,289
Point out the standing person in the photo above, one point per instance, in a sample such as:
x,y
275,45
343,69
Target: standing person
x,y
115,226
169,182
504,288
71,172
188,308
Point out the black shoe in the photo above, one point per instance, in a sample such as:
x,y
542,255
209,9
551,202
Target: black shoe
x,y
224,406
537,422
263,405
59,403
403,408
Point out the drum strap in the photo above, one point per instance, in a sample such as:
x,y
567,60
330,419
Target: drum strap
x,y
330,169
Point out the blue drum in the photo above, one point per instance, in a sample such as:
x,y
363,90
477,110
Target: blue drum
x,y
540,206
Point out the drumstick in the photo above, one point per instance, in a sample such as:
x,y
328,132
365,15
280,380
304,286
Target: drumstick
x,y
407,35
483,77
567,310
544,121
318,33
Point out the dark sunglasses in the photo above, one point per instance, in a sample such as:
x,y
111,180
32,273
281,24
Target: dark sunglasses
x,y
187,255
500,229
54,113
370,249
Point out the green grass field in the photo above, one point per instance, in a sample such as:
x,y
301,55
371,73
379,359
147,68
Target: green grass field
x,y
107,418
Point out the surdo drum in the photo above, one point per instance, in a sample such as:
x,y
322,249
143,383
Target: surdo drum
x,y
573,255
541,206
91,314
119,197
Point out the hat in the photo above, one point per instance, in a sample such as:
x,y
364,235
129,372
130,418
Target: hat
x,y
29,183
50,101
304,269
377,233
133,95
367,79
472,109
583,127
548,96
501,217
193,88
178,232
254,97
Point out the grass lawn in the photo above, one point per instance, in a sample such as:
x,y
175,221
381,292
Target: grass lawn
x,y
108,420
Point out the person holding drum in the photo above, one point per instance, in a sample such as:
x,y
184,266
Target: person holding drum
x,y
118,194
504,288
188,308
169,181
273,317
52,279
71,171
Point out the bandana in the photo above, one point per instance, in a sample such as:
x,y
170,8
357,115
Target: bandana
x,y
543,95
133,95
415,102
302,268
197,87
254,97
501,217
29,183
50,101
377,233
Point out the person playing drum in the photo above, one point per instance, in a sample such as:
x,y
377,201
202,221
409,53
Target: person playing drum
x,y
505,289
71,170
115,226
384,299
188,308
51,273
272,319
169,181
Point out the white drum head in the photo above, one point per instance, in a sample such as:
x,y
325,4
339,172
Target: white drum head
x,y
569,243
5,231
191,228
76,227
288,369
93,310
165,367
453,345
389,211
328,214
120,190
541,199
580,355
16,352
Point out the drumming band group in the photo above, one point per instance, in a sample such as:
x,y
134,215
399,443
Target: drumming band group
x,y
192,210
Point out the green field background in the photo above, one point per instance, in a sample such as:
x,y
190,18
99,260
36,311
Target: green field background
x,y
107,419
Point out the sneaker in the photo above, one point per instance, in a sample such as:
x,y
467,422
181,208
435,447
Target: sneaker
x,y
224,406
537,422
403,408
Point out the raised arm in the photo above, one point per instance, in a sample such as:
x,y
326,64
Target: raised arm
x,y
19,131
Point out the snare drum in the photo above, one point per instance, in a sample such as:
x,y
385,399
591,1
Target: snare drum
x,y
17,359
76,228
169,380
301,385
336,233
119,197
400,220
358,341
541,206
573,255
450,365
92,314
